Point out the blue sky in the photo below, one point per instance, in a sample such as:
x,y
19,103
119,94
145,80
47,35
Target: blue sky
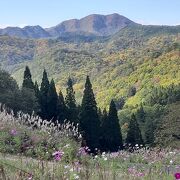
x,y
48,13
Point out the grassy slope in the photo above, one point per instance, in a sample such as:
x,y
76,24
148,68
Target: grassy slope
x,y
27,153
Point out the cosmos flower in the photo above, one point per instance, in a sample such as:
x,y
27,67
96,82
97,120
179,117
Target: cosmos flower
x,y
171,161
30,176
58,155
13,132
76,176
82,151
177,176
140,174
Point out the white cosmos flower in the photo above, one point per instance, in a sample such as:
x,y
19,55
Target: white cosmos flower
x,y
71,169
76,176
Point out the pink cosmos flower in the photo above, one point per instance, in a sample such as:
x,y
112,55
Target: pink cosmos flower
x,y
177,176
134,172
82,151
140,174
13,132
30,176
58,155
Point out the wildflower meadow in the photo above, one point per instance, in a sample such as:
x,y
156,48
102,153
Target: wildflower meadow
x,y
34,149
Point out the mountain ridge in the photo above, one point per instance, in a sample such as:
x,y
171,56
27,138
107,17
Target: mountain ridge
x,y
88,26
96,24
25,32
101,25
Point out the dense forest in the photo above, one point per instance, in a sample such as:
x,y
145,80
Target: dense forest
x,y
105,129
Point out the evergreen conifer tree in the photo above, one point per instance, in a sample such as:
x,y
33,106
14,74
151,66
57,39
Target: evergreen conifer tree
x,y
37,95
36,89
140,115
103,127
29,101
100,114
43,96
149,132
89,121
52,99
27,81
104,116
70,102
61,108
134,134
112,136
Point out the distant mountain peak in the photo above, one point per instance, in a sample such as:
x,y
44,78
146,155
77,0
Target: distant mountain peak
x,y
96,24
101,25
25,32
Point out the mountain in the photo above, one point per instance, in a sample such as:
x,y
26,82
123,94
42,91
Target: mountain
x,y
95,24
26,32
137,56
101,25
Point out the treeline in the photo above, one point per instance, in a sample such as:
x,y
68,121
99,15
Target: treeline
x,y
15,98
49,105
151,113
99,128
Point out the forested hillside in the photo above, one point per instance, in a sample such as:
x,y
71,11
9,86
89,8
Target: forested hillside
x,y
135,71
137,57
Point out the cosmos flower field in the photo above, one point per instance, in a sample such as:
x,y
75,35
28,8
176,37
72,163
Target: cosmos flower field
x,y
33,149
